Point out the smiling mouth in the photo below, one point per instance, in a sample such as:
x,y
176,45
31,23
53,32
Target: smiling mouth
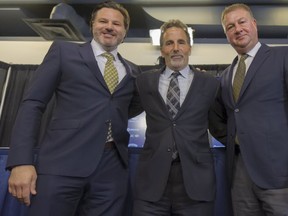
x,y
176,57
240,37
108,35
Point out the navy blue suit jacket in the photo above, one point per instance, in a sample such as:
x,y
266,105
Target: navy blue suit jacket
x,y
188,129
261,117
75,137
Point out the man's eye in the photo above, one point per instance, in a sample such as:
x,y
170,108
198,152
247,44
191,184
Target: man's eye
x,y
229,27
102,21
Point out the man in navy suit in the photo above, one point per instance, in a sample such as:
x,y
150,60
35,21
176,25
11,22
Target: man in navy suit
x,y
175,172
257,143
77,171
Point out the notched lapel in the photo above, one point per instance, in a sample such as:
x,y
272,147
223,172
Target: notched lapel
x,y
228,80
194,88
128,76
258,60
88,57
154,87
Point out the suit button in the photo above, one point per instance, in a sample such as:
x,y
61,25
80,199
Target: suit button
x,y
169,149
236,110
107,121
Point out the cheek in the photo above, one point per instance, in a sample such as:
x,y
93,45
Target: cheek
x,y
164,52
229,37
120,31
95,29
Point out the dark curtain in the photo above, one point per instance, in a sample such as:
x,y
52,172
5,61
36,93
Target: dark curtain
x,y
20,76
3,75
214,70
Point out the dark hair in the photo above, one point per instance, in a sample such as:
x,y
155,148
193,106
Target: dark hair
x,y
115,6
233,7
174,23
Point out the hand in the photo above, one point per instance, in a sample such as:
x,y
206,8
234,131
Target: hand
x,y
22,183
202,70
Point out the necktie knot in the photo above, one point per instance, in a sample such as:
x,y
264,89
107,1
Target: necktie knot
x,y
175,74
244,57
108,56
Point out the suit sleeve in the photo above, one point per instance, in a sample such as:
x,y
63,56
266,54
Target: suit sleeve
x,y
135,107
27,124
218,119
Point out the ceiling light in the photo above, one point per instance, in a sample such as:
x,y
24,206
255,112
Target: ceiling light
x,y
155,36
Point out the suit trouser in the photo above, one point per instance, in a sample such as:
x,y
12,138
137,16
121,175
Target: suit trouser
x,y
250,200
102,193
174,201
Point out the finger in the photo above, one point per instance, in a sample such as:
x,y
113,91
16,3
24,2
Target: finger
x,y
11,188
26,194
14,188
33,187
19,192
26,200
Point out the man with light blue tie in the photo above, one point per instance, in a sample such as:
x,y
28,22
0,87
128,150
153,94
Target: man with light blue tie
x,y
175,172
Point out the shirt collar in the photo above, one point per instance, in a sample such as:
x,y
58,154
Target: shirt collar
x,y
184,72
98,50
253,51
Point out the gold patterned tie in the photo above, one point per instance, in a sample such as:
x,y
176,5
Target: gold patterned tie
x,y
239,77
238,82
111,79
110,72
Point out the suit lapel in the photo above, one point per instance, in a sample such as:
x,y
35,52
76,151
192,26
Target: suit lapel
x,y
128,76
152,83
155,88
228,80
260,57
193,89
88,57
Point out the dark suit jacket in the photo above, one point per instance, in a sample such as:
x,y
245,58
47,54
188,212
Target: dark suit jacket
x,y
261,117
76,135
188,129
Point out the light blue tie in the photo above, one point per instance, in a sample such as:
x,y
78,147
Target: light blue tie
x,y
173,103
173,95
